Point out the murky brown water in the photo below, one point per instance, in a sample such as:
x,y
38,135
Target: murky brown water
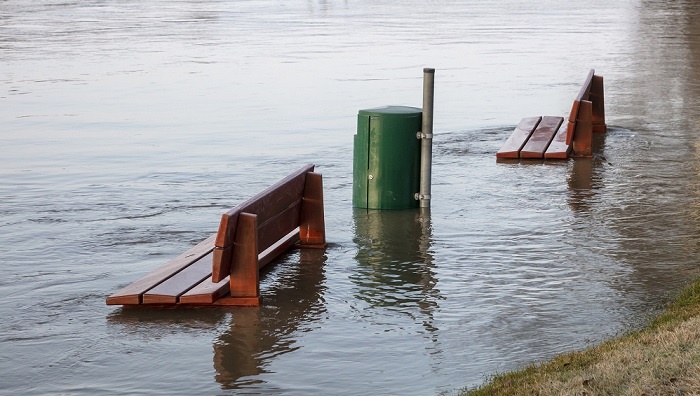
x,y
128,127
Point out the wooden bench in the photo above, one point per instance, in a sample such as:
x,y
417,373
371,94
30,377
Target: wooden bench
x,y
224,268
551,138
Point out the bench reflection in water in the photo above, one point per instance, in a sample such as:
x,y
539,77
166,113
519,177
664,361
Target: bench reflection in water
x,y
293,300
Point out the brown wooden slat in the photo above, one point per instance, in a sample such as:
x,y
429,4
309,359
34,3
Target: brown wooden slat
x,y
280,247
278,226
586,87
541,137
278,199
558,149
206,292
516,141
222,263
168,291
131,294
573,113
227,227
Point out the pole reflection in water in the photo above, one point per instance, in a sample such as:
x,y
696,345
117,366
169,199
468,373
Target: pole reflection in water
x,y
395,265
291,299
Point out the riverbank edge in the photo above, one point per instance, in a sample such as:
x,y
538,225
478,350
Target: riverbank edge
x,y
661,358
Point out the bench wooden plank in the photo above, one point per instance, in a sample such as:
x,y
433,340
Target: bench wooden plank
x,y
541,137
206,292
571,126
277,227
516,141
559,149
131,294
585,90
168,291
266,256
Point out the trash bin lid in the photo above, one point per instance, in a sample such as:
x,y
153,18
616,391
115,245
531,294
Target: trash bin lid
x,y
391,110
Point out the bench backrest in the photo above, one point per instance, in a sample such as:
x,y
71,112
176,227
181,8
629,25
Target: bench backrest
x,y
583,95
275,212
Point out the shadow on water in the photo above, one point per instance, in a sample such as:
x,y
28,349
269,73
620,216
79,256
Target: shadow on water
x,y
395,265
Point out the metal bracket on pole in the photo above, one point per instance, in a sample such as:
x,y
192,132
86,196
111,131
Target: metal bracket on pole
x,y
421,135
420,197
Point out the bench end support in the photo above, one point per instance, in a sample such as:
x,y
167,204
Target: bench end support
x,y
312,228
597,97
244,266
583,136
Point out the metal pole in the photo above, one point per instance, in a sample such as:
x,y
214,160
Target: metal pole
x,y
426,146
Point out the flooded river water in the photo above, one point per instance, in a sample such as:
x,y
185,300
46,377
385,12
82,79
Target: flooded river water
x,y
128,127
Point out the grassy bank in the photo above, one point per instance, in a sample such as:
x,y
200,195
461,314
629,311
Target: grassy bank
x,y
661,359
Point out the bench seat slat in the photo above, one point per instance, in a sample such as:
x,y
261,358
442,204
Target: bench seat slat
x,y
266,256
206,292
131,294
559,149
541,137
511,148
168,291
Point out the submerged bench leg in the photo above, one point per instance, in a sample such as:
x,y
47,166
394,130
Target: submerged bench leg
x,y
597,97
312,228
583,136
244,269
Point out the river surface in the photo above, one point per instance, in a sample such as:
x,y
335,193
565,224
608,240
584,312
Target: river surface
x,y
128,127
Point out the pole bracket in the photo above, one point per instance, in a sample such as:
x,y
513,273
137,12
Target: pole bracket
x,y
422,197
421,135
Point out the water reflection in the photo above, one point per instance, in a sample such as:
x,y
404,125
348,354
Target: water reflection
x,y
395,265
649,212
586,177
555,254
292,302
148,323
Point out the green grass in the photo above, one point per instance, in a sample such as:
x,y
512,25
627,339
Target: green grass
x,y
663,358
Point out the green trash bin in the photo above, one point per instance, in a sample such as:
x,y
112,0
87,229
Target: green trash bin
x,y
386,167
